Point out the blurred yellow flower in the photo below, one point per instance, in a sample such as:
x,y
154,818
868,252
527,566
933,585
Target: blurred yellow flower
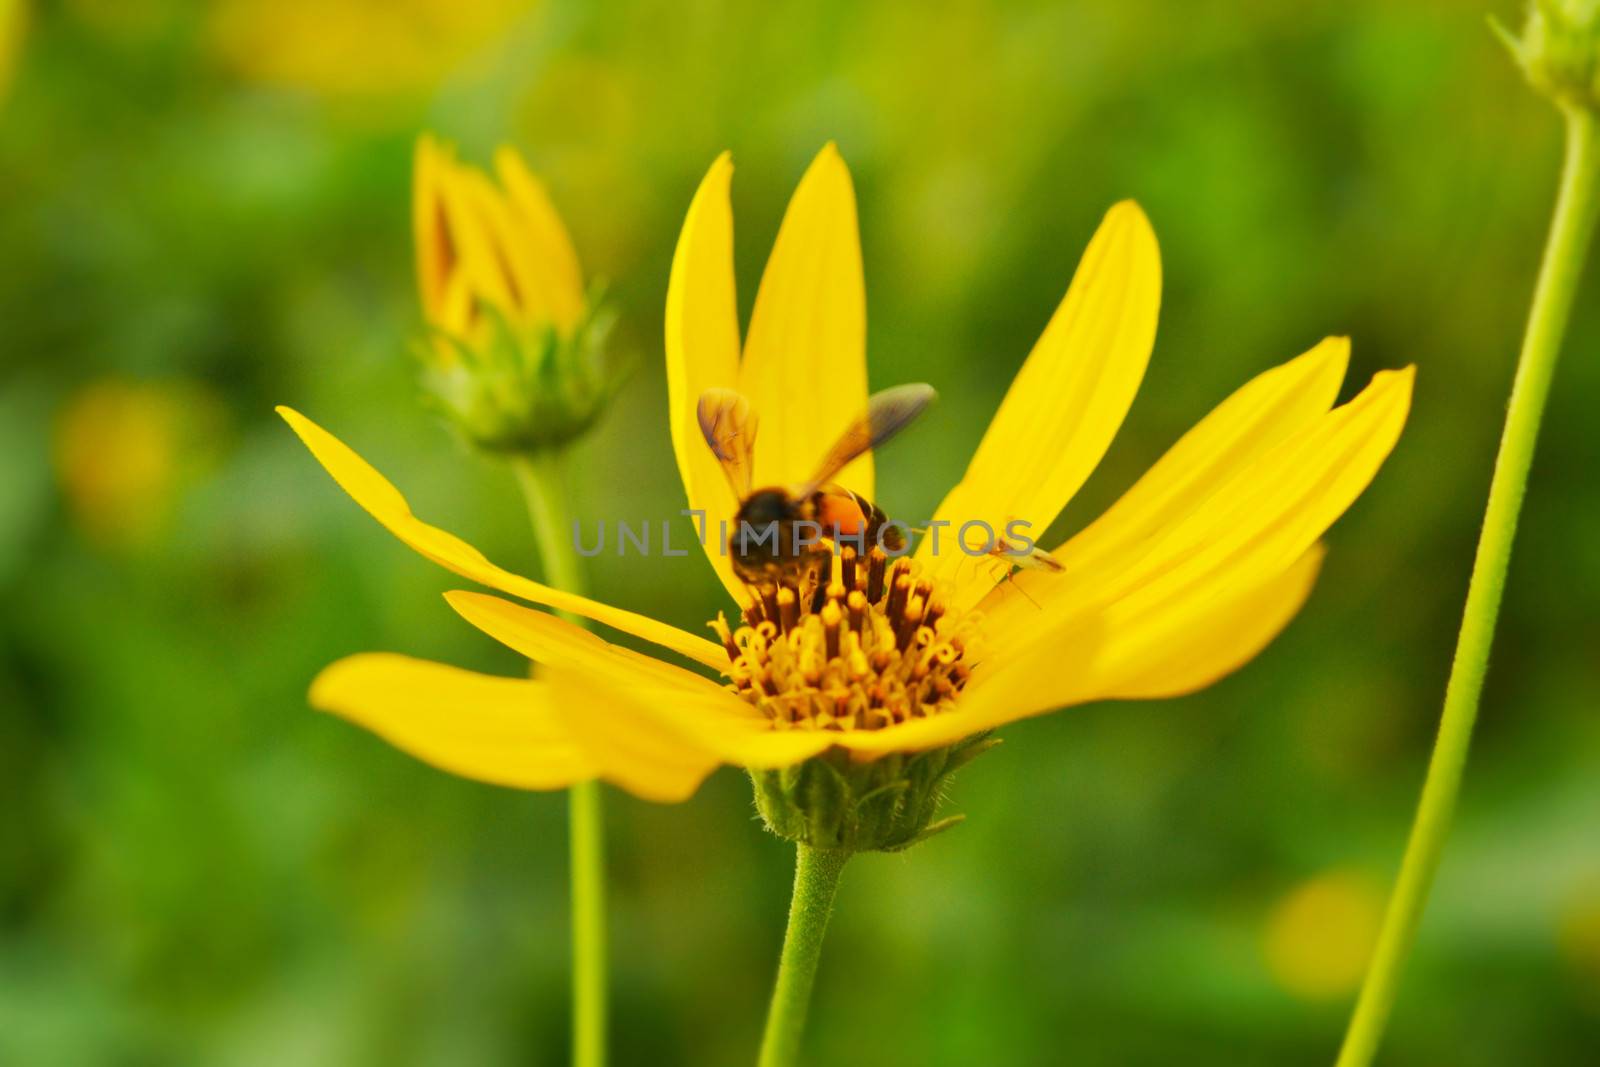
x,y
483,249
1578,930
121,450
1319,936
355,47
1183,580
13,23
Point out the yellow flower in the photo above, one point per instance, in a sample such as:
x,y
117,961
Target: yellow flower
x,y
516,357
1186,578
1578,930
355,48
1319,936
124,451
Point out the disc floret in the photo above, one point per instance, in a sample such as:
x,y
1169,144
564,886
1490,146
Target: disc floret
x,y
863,645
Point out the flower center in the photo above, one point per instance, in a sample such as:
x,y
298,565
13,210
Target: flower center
x,y
864,645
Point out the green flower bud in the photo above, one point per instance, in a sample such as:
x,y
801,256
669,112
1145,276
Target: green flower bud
x,y
1559,50
832,802
517,389
515,357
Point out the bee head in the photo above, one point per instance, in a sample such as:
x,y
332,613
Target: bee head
x,y
760,522
768,505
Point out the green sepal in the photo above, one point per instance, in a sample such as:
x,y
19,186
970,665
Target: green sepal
x,y
1559,50
521,389
833,802
931,830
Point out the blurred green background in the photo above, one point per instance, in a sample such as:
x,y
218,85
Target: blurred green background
x,y
204,212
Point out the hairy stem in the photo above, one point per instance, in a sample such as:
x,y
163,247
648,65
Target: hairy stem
x,y
816,878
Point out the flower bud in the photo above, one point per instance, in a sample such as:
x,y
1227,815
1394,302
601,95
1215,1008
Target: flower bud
x,y
831,802
1559,50
515,355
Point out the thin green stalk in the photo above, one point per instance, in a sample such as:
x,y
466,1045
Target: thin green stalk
x,y
543,485
816,878
1565,250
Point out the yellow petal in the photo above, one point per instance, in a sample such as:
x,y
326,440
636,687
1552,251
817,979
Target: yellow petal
x,y
1181,648
652,765
477,261
1256,522
1204,598
744,744
1265,411
497,730
1141,649
1066,402
1190,645
1259,523
805,358
995,696
703,352
383,502
634,735
552,253
544,638
435,256
914,735
1268,409
455,314
1211,591
528,294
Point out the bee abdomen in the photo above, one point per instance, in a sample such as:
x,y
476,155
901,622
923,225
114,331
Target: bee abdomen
x,y
879,529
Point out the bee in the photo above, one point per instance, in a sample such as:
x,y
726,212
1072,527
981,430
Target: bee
x,y
768,543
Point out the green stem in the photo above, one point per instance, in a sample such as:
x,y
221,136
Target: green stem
x,y
816,878
1565,250
541,477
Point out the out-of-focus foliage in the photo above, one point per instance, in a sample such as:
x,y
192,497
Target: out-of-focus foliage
x,y
204,211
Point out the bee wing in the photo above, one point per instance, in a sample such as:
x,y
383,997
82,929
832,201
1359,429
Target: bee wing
x,y
887,414
729,424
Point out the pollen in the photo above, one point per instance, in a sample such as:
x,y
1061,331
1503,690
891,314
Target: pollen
x,y
864,644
